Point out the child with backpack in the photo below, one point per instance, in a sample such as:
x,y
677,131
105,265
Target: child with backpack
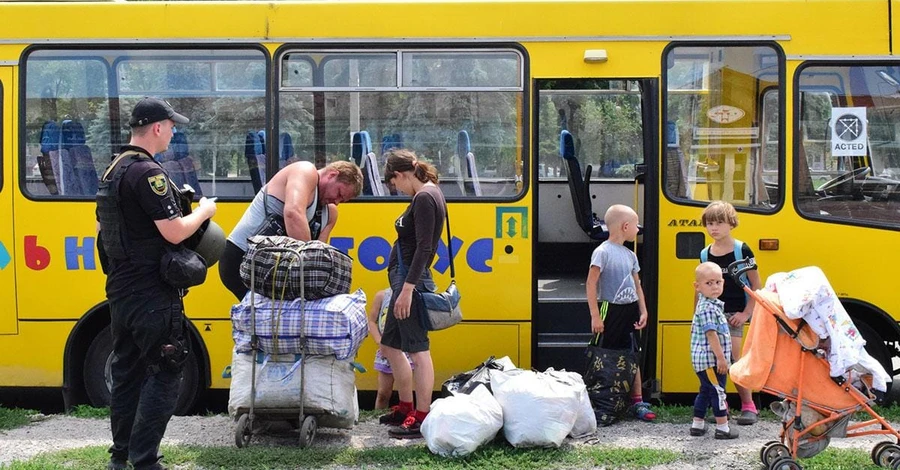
x,y
720,218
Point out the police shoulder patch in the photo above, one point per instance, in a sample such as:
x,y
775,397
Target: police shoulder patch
x,y
158,184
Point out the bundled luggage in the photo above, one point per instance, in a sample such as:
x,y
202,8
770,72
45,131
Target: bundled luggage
x,y
333,326
326,271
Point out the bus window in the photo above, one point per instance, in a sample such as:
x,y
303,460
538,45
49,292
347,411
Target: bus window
x,y
460,110
848,153
604,118
722,124
78,103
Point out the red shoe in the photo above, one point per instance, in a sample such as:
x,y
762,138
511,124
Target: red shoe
x,y
643,412
394,418
410,429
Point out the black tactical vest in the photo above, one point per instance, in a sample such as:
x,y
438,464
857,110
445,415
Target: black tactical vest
x,y
109,213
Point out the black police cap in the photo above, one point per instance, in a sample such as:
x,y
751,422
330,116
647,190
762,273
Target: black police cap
x,y
150,110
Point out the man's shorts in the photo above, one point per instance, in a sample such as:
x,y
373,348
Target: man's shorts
x,y
406,335
737,332
619,325
383,365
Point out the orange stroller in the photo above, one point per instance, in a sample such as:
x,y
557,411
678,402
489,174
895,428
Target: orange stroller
x,y
784,357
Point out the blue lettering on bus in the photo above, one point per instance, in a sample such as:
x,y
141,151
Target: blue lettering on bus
x,y
373,253
85,252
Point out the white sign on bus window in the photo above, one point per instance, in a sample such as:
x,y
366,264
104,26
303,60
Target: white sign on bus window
x,y
848,132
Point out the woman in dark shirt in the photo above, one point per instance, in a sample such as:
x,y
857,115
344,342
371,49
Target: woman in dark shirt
x,y
409,267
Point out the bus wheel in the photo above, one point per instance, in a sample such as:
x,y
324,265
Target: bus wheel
x,y
876,348
98,380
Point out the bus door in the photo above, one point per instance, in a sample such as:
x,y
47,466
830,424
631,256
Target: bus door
x,y
723,140
7,186
594,137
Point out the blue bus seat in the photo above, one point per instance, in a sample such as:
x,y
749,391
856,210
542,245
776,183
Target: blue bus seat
x,y
580,190
255,154
472,186
48,160
372,178
179,163
286,154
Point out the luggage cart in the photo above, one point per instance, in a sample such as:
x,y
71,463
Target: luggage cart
x,y
247,417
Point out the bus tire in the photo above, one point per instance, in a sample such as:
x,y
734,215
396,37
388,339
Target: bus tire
x,y
875,347
97,380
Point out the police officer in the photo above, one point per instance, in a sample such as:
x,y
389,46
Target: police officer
x,y
140,220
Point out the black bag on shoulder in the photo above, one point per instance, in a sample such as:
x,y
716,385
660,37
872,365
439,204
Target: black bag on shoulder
x,y
608,376
273,224
181,267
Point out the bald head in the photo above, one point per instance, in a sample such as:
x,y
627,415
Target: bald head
x,y
707,270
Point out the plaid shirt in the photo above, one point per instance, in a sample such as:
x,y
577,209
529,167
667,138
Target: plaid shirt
x,y
709,315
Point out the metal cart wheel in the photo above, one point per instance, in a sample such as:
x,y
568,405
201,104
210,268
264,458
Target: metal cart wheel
x,y
785,463
763,452
242,431
877,449
774,451
887,455
308,431
895,465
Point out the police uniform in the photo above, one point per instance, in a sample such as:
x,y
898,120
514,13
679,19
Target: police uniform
x,y
146,313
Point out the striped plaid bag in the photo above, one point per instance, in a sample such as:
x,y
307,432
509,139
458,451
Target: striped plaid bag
x,y
326,270
333,326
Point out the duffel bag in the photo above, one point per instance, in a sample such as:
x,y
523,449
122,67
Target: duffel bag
x,y
332,326
326,270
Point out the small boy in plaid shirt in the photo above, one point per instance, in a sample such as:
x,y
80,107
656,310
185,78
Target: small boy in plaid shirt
x,y
710,350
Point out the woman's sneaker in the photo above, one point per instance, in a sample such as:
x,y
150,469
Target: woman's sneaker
x,y
409,429
747,417
394,418
643,412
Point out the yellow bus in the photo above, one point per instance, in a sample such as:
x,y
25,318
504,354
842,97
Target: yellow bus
x,y
538,115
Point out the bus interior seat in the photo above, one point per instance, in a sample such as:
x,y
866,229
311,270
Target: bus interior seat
x,y
48,160
580,190
388,142
286,154
372,176
676,164
255,153
85,179
179,163
805,187
464,150
360,149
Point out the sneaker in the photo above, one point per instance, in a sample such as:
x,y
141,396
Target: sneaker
x,y
643,412
699,431
731,434
394,418
409,429
747,417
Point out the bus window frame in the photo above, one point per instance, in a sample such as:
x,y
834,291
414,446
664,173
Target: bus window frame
x,y
795,126
2,134
116,136
782,107
326,48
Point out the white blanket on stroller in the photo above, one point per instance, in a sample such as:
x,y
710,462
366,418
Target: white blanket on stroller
x,y
805,293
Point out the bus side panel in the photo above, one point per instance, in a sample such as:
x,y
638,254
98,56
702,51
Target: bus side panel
x,y
7,186
34,363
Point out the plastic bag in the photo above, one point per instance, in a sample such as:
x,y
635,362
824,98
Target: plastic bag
x,y
609,375
586,421
458,425
538,410
466,382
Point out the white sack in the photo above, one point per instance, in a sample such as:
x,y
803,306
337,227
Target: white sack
x,y
538,410
456,426
330,389
586,421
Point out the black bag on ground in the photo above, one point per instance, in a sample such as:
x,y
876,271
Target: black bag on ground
x,y
326,270
465,382
608,377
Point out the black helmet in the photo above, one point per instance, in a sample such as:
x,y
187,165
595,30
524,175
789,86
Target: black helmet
x,y
208,242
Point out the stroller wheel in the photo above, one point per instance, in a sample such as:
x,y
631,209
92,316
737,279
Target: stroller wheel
x,y
774,451
896,464
242,432
887,454
763,456
785,463
877,449
308,431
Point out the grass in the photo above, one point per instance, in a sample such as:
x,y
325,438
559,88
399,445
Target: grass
x,y
86,411
11,418
496,455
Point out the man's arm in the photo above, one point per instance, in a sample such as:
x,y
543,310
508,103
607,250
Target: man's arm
x,y
332,221
299,187
179,229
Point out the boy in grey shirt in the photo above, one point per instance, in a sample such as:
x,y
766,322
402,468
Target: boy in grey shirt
x,y
619,310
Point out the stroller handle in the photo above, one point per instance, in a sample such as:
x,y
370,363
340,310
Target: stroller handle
x,y
735,270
